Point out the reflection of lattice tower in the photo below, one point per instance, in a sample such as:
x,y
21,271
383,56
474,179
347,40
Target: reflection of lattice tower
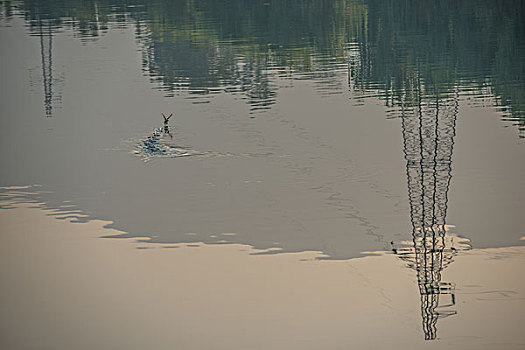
x,y
46,46
428,133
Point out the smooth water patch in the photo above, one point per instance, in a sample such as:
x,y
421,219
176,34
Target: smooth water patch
x,y
131,297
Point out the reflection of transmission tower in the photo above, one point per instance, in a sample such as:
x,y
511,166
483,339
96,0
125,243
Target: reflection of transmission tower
x,y
46,46
428,134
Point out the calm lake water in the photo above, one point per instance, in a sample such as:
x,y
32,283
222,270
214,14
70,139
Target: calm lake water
x,y
346,128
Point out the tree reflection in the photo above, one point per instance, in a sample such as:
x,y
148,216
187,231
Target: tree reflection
x,y
242,47
475,46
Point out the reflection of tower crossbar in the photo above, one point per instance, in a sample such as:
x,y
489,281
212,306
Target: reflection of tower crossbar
x,y
428,133
46,46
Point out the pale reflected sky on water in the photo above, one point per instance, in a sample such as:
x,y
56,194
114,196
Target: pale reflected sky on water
x,y
113,294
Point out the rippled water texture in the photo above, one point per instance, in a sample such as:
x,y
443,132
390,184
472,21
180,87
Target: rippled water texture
x,y
343,128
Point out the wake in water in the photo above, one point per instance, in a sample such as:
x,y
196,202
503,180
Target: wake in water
x,y
156,146
159,145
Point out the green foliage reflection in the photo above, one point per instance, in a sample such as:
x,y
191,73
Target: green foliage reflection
x,y
241,46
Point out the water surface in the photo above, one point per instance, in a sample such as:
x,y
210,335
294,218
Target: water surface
x,y
344,127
